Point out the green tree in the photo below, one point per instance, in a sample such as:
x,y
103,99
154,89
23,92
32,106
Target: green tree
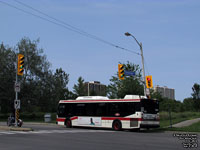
x,y
7,78
196,96
196,91
188,104
79,89
60,90
36,79
129,86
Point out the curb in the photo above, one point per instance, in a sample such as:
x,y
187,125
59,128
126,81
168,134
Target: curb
x,y
5,128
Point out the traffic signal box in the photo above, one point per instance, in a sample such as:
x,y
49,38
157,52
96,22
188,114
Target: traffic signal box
x,y
121,71
20,64
149,82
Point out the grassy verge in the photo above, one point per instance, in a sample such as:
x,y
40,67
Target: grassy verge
x,y
192,128
176,117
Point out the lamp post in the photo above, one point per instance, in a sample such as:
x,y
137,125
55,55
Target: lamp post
x,y
140,45
88,88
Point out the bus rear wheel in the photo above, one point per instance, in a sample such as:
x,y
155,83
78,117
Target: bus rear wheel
x,y
117,125
68,123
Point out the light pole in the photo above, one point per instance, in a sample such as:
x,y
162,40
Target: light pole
x,y
88,88
140,45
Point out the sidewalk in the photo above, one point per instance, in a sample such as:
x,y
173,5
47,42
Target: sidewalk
x,y
186,123
4,127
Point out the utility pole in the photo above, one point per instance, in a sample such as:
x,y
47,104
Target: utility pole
x,y
143,71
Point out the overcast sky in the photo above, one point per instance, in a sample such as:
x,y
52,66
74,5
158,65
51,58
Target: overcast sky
x,y
169,31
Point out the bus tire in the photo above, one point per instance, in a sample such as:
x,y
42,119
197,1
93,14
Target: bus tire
x,y
68,123
117,125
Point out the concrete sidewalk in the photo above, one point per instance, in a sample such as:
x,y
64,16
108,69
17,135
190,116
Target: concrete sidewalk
x,y
186,123
4,127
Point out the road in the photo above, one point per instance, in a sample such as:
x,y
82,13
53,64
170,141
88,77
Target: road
x,y
52,137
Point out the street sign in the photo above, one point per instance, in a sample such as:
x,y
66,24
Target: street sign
x,y
129,73
147,91
17,87
17,104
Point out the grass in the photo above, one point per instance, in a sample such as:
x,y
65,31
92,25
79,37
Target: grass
x,y
192,128
176,117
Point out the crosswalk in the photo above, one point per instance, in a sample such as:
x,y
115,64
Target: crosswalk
x,y
52,131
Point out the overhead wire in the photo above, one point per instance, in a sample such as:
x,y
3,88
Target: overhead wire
x,y
65,25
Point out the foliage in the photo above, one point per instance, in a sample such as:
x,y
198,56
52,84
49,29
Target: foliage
x,y
79,88
41,89
196,96
129,86
7,77
196,91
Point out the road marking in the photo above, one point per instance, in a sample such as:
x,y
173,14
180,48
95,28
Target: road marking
x,y
53,131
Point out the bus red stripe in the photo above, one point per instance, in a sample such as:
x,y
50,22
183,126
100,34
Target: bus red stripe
x,y
77,101
60,119
120,118
104,118
74,118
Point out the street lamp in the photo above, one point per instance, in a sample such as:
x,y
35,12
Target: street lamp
x,y
140,45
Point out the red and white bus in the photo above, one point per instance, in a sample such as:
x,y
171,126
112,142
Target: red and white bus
x,y
132,112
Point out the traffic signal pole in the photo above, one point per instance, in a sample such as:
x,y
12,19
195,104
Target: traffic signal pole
x,y
16,93
19,71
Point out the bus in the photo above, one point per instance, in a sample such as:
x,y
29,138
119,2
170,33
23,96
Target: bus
x,y
132,112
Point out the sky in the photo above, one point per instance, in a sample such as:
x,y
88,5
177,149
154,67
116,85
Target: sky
x,y
168,30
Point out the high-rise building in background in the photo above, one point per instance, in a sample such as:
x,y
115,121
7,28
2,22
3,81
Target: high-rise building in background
x,y
165,91
95,88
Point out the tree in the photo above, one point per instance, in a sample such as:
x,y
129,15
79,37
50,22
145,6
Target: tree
x,y
7,78
188,104
41,89
59,87
129,86
196,96
196,91
79,89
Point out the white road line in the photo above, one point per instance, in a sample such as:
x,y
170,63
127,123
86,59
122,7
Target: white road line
x,y
54,131
6,133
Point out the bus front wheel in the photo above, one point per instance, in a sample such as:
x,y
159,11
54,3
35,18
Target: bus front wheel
x,y
117,125
68,123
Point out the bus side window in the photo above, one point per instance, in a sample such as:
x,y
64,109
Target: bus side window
x,y
80,109
70,110
61,110
101,109
114,109
129,108
90,109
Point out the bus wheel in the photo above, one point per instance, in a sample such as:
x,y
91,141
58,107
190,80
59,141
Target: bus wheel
x,y
68,123
117,125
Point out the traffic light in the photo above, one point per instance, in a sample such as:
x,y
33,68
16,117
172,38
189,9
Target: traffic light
x,y
149,82
121,71
20,64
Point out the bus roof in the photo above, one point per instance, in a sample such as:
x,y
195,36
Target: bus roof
x,y
97,99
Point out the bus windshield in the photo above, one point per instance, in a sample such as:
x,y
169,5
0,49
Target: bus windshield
x,y
149,106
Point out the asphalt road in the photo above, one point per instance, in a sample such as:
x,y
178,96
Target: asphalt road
x,y
52,137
